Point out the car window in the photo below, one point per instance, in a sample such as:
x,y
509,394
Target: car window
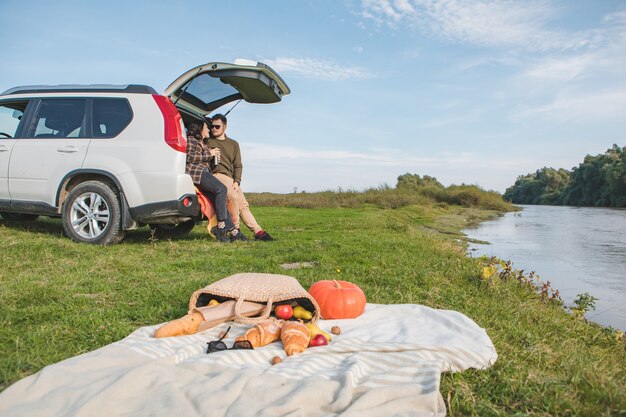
x,y
10,117
110,116
206,89
59,118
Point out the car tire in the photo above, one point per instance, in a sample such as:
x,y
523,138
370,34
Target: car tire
x,y
172,230
19,217
92,214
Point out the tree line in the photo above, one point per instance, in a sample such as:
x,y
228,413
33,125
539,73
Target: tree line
x,y
599,181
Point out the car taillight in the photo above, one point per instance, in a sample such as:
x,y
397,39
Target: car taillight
x,y
186,201
175,135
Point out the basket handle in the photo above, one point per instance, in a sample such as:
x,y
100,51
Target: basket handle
x,y
252,320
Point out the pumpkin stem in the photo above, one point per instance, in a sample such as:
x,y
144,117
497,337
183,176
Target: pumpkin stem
x,y
337,284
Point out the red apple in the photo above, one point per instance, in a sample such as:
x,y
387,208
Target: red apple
x,y
318,340
283,312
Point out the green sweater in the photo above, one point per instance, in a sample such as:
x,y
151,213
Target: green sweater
x,y
230,159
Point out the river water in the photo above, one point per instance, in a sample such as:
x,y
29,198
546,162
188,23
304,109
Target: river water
x,y
577,249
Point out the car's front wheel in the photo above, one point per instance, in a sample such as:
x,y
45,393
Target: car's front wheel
x,y
172,230
92,214
18,217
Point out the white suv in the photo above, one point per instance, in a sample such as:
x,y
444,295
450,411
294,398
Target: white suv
x,y
112,158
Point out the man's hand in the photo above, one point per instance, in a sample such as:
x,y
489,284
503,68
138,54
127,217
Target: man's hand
x,y
236,186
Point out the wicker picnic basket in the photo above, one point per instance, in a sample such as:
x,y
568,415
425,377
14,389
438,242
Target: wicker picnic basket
x,y
269,289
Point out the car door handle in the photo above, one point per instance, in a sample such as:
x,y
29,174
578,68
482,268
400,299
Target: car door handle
x,y
67,149
3,148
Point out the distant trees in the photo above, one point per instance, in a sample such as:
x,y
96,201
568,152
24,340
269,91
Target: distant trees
x,y
545,186
464,195
598,181
414,181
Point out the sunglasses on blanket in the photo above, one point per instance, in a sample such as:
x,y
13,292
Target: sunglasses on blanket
x,y
218,345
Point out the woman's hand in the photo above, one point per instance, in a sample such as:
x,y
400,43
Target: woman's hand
x,y
214,151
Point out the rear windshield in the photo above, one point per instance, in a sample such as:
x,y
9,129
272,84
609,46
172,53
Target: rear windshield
x,y
206,89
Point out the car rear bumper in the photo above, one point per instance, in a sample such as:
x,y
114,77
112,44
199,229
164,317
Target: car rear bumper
x,y
170,212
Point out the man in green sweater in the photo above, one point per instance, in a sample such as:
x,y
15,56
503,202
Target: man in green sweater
x,y
228,171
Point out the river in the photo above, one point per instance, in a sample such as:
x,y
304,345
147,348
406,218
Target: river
x,y
577,249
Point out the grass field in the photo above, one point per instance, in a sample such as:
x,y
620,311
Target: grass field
x,y
59,299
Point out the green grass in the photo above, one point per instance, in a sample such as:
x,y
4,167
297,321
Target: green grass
x,y
59,299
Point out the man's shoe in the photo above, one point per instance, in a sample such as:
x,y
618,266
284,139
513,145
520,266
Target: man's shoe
x,y
264,236
220,234
238,236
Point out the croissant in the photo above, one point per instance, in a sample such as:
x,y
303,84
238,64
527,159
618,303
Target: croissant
x,y
295,337
263,333
185,325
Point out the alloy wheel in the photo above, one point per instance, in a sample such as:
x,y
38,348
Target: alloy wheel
x,y
89,215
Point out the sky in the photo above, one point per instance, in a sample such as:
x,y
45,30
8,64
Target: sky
x,y
475,92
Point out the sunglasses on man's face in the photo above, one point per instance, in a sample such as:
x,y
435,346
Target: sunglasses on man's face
x,y
218,345
216,126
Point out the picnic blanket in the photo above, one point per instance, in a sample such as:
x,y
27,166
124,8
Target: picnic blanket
x,y
387,362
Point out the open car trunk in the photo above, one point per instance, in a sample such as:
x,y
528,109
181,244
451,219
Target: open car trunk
x,y
207,87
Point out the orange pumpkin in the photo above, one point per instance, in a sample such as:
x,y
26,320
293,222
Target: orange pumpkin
x,y
338,299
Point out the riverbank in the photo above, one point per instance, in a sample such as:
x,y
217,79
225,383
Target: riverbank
x,y
578,249
59,299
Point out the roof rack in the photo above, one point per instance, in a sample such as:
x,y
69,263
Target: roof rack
x,y
74,88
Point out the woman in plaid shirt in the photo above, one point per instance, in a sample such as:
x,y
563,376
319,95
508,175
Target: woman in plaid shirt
x,y
200,162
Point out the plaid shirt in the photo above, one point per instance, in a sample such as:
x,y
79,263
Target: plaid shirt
x,y
198,158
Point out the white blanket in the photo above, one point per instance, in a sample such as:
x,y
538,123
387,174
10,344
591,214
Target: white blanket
x,y
386,363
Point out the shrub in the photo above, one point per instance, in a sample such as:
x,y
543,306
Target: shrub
x,y
431,193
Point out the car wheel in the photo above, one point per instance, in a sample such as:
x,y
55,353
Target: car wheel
x,y
172,230
19,217
92,214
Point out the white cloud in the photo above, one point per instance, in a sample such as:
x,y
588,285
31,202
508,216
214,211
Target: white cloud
x,y
486,23
580,86
383,11
404,6
358,49
604,105
469,64
607,57
561,68
317,69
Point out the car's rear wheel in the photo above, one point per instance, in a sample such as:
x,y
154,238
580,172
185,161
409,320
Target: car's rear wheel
x,y
19,217
92,214
172,230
